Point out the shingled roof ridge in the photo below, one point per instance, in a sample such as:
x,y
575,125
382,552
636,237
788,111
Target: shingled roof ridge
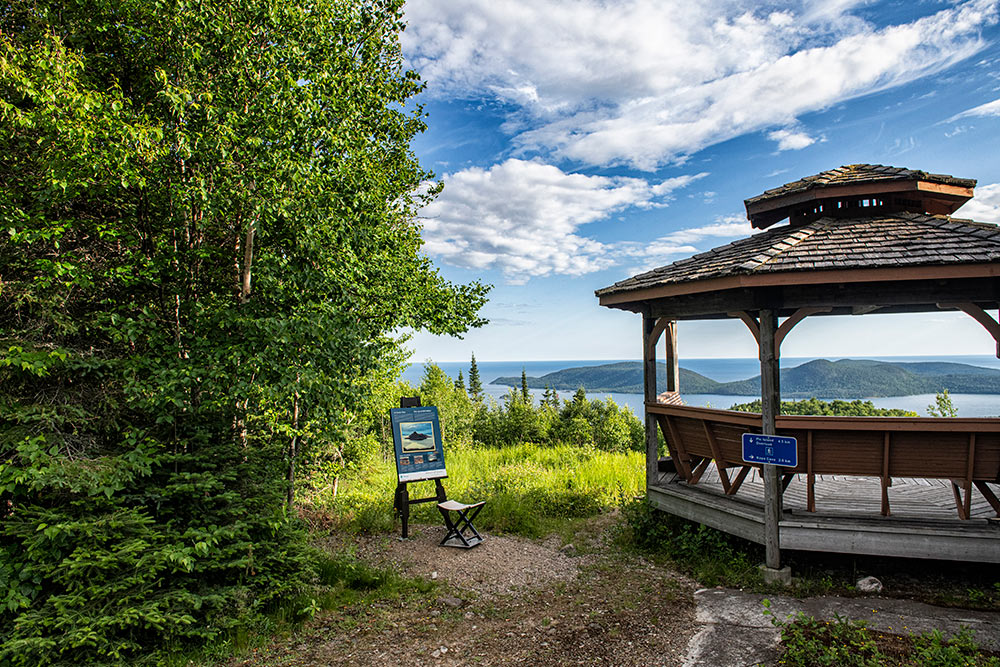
x,y
787,241
973,226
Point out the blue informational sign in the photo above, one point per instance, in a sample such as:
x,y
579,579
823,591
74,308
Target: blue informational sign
x,y
770,449
416,436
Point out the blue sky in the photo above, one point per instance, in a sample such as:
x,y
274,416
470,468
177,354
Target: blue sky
x,y
581,142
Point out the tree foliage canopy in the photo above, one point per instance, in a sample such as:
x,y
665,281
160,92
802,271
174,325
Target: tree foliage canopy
x,y
207,244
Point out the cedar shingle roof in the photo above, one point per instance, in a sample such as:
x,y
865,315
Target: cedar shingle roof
x,y
858,173
882,241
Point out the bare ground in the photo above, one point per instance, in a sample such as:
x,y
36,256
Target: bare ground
x,y
508,601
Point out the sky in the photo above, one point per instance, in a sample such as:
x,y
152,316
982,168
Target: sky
x,y
582,141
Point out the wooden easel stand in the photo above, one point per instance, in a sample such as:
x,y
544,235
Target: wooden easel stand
x,y
402,501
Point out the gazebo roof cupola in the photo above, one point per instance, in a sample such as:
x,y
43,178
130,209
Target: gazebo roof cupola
x,y
858,190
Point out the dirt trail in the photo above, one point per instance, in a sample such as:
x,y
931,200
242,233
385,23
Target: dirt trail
x,y
538,602
508,601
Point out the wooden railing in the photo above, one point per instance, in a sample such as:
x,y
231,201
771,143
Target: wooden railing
x,y
965,451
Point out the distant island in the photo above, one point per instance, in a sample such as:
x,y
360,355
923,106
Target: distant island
x,y
846,378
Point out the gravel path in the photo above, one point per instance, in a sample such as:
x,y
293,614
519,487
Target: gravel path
x,y
507,601
500,564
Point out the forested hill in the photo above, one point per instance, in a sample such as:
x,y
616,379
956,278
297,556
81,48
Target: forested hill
x,y
847,378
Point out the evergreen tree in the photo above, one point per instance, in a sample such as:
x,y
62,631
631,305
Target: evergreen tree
x,y
460,382
475,385
525,396
203,205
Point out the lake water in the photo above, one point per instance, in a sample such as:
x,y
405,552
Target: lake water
x,y
722,370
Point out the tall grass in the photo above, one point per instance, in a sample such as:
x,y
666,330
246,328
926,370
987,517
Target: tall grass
x,y
523,485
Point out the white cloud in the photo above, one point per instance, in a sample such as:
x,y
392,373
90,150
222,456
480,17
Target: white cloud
x,y
523,217
985,206
790,140
988,109
648,82
670,247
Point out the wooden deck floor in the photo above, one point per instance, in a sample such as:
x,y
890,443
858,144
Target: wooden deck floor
x,y
923,521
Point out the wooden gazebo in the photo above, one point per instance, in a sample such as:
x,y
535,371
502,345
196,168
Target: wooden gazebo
x,y
859,239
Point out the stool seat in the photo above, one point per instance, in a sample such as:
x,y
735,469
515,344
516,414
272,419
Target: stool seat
x,y
455,506
459,530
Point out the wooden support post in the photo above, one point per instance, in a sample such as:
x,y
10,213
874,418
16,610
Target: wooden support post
x,y
991,498
970,471
720,463
886,480
770,396
740,476
810,475
673,368
649,396
958,499
699,470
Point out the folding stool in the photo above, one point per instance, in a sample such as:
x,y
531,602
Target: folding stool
x,y
458,530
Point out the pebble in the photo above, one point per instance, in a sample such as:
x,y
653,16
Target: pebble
x,y
454,603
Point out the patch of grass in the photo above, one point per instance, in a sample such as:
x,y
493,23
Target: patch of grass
x,y
341,581
526,487
807,641
712,557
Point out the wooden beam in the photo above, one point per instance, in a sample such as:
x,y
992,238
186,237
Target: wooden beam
x,y
654,336
991,498
740,476
699,470
979,315
649,395
720,463
790,323
683,460
751,323
786,479
770,398
680,465
796,278
959,505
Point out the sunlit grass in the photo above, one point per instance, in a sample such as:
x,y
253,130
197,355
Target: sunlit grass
x,y
522,484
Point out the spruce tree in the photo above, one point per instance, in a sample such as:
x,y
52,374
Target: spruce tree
x,y
525,396
460,382
475,385
201,206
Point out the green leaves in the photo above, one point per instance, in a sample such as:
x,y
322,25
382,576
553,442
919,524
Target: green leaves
x,y
208,249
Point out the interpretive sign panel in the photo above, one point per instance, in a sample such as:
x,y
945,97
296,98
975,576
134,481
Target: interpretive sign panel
x,y
416,435
771,449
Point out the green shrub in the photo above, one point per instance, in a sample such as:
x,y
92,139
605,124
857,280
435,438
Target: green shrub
x,y
835,408
709,555
809,642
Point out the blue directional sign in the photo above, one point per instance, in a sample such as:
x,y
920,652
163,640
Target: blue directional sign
x,y
773,449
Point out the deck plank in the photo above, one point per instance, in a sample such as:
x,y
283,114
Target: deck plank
x,y
924,522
